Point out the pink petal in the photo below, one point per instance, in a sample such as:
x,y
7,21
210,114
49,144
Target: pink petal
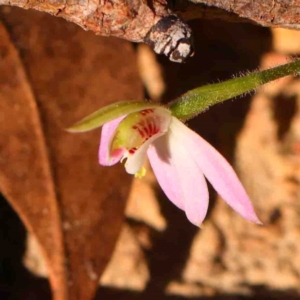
x,y
181,179
217,170
107,134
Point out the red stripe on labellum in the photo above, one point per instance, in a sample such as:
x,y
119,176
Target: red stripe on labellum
x,y
147,111
132,150
145,129
141,133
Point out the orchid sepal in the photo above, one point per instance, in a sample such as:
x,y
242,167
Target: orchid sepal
x,y
109,113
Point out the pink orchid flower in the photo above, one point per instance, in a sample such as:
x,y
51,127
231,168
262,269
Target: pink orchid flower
x,y
180,159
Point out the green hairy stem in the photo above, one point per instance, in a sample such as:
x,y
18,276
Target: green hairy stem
x,y
198,100
192,102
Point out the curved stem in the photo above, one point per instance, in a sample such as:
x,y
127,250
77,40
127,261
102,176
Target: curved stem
x,y
197,100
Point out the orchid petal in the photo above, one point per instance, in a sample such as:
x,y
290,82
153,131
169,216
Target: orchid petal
x,y
108,130
181,179
165,172
217,170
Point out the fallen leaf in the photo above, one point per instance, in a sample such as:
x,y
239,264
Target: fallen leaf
x,y
51,177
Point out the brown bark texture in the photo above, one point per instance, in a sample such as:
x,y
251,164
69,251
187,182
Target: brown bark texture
x,y
135,20
155,21
270,13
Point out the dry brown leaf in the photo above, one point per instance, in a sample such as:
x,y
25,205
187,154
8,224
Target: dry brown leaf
x,y
73,206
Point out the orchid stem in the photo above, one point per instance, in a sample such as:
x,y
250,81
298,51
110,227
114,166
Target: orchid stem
x,y
198,100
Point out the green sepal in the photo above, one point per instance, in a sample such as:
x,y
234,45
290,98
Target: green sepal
x,y
109,113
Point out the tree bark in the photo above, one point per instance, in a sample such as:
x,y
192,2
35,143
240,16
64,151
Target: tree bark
x,y
269,13
155,21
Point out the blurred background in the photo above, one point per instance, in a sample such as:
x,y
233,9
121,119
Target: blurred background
x,y
153,252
